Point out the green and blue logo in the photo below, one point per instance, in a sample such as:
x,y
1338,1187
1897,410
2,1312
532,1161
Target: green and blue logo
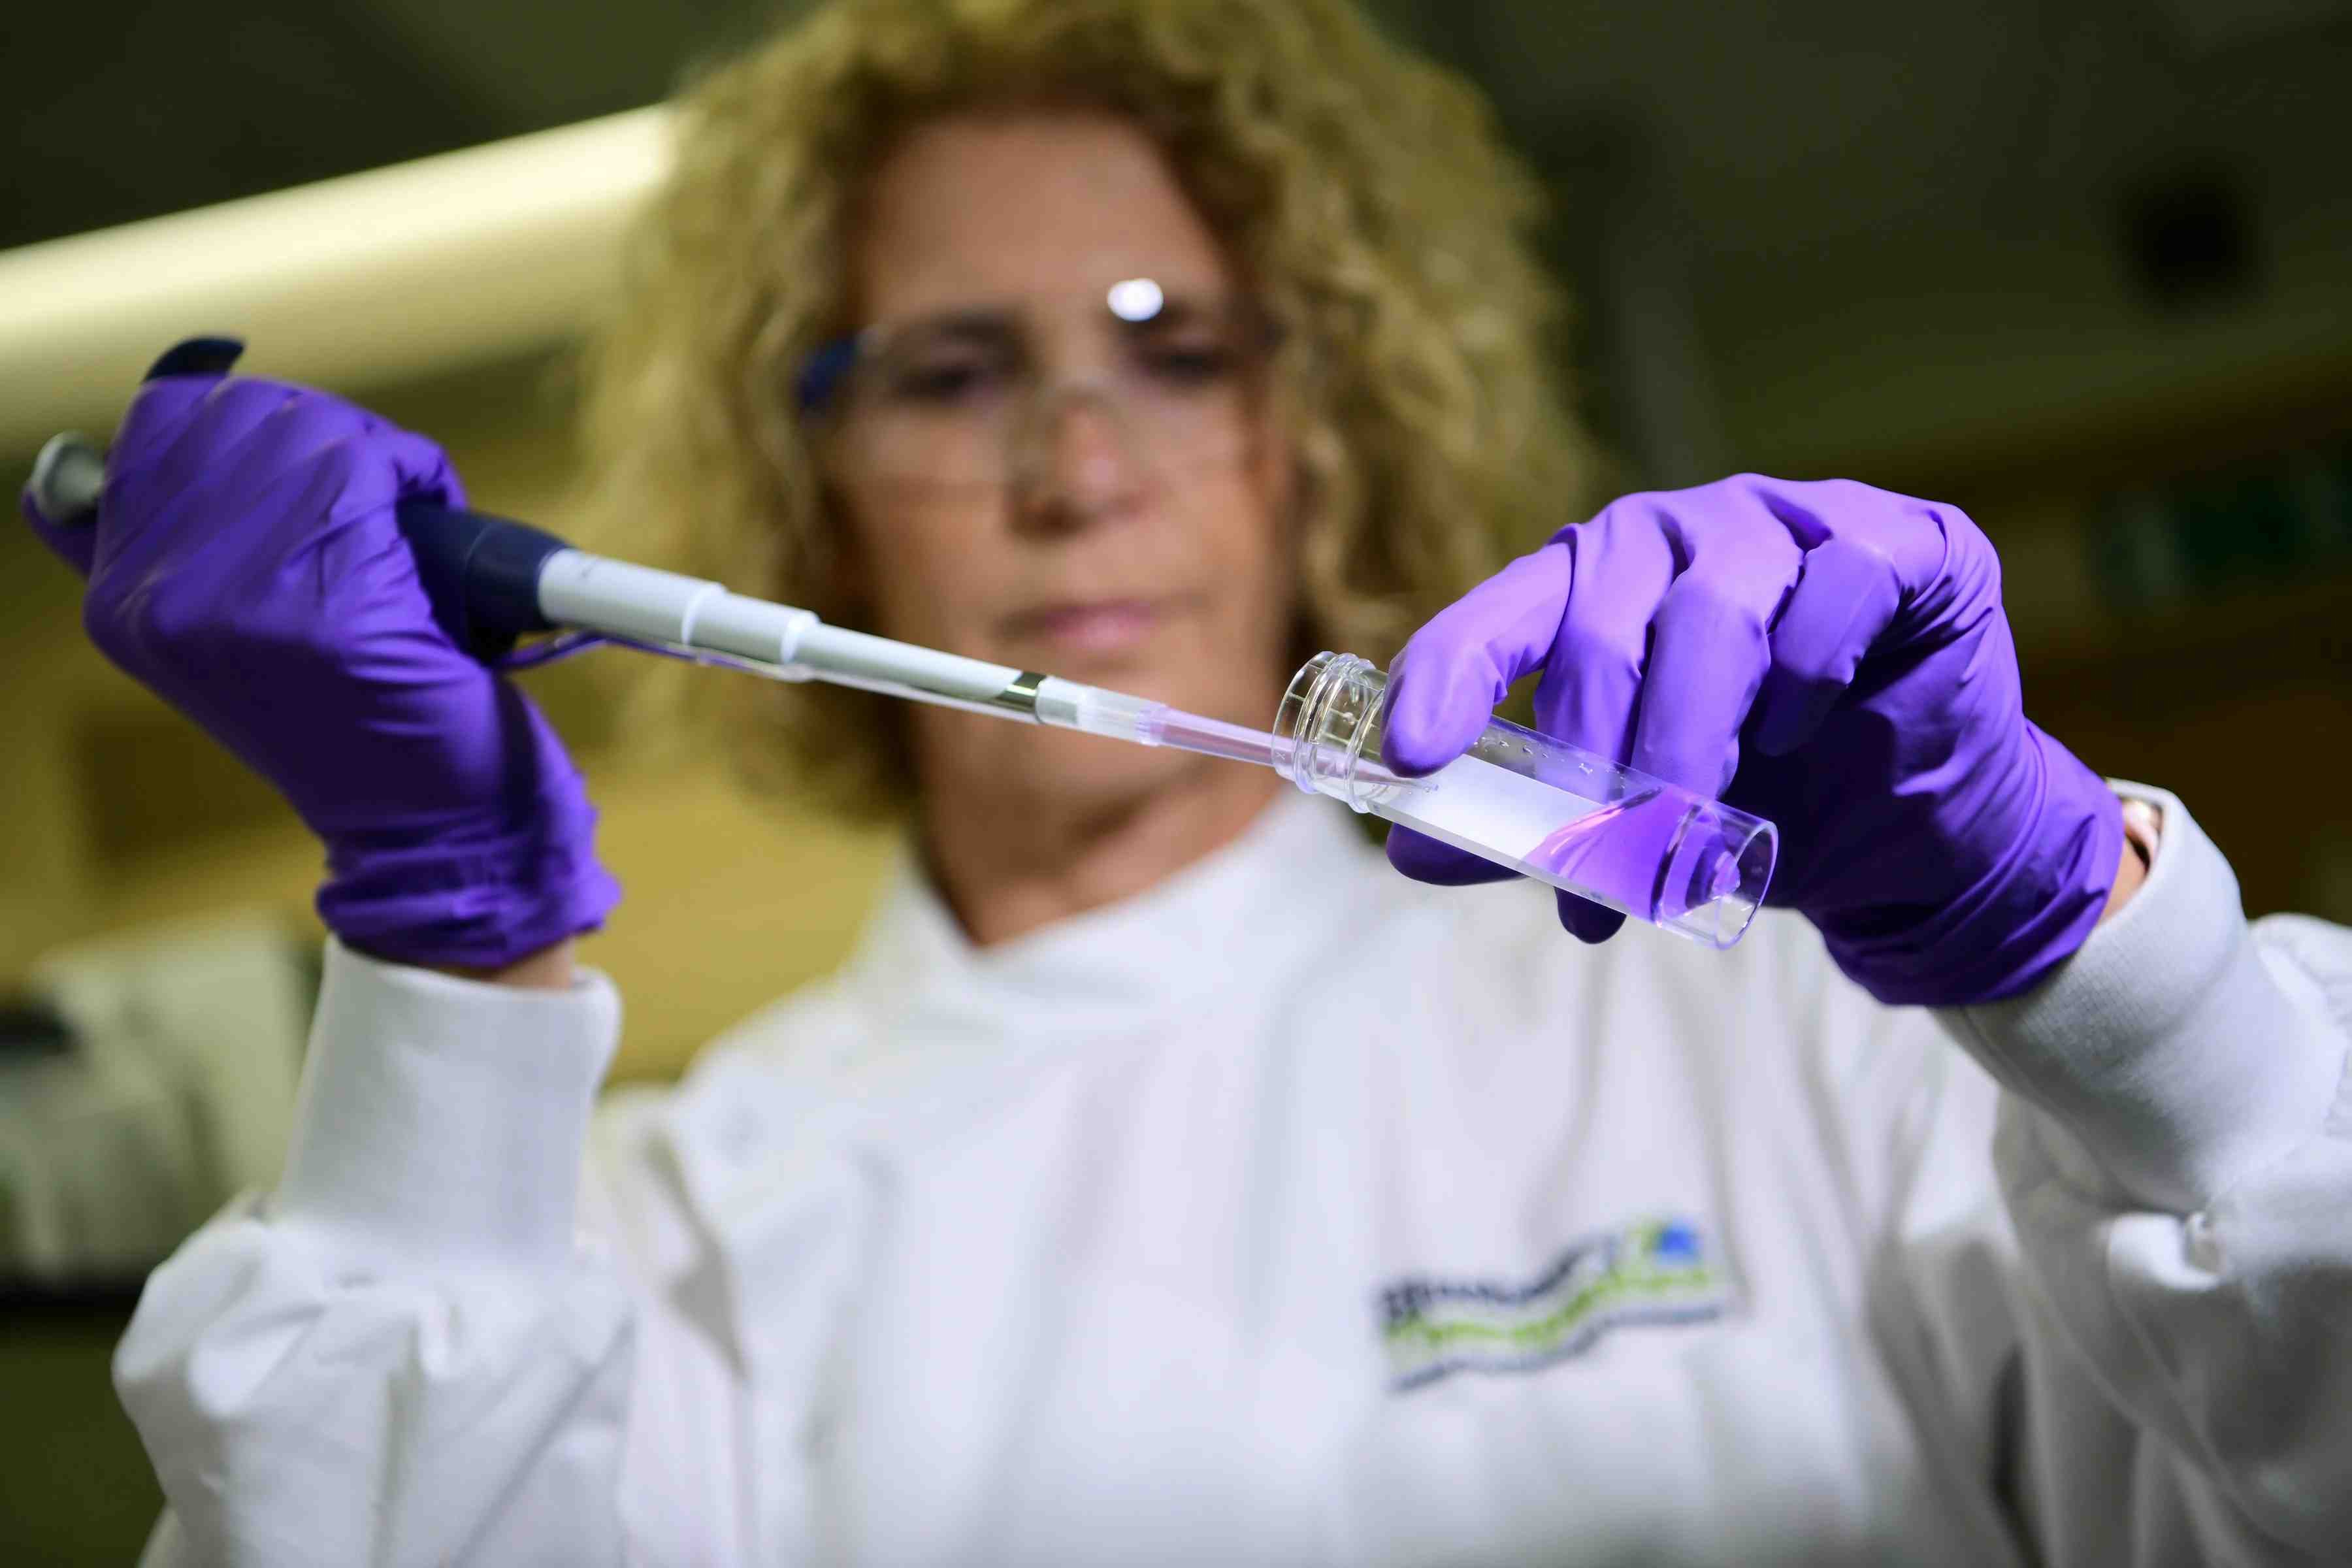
x,y
1655,1272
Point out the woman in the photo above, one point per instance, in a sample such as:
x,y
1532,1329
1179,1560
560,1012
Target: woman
x,y
1165,1179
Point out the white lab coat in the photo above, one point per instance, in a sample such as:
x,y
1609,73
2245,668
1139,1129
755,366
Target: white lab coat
x,y
1295,1214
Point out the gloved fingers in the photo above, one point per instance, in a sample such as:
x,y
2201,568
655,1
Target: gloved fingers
x,y
1594,673
1586,920
306,460
183,438
1710,647
1427,859
1846,597
356,536
383,465
1443,687
422,470
1917,538
1887,559
247,503
72,544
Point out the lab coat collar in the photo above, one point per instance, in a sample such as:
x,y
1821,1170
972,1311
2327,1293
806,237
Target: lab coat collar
x,y
1227,925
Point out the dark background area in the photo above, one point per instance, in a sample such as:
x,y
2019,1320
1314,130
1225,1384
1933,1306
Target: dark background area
x,y
2084,268
1850,198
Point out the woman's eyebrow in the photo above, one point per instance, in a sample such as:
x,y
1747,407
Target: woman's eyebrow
x,y
992,323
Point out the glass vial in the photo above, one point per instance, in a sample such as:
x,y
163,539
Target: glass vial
x,y
1546,809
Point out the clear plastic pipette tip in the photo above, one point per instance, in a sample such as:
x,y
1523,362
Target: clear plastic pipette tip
x,y
1167,726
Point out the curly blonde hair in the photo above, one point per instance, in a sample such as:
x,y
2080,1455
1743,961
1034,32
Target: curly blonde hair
x,y
1364,191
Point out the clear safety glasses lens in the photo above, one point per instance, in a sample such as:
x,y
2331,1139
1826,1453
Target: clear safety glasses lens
x,y
973,397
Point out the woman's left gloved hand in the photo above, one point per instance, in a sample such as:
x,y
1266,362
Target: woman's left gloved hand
x,y
1828,656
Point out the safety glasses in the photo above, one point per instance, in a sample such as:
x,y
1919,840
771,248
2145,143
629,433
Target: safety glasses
x,y
975,398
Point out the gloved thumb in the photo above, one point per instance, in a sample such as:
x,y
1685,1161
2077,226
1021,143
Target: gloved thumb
x,y
182,376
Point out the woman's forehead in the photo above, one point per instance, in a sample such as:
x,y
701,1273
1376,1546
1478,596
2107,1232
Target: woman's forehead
x,y
1037,203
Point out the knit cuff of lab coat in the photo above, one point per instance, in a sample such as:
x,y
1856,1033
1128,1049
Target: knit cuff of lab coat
x,y
443,1120
2168,1049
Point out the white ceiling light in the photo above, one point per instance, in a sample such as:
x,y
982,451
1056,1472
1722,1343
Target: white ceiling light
x,y
456,260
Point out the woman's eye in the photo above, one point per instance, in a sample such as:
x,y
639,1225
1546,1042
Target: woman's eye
x,y
1188,364
944,382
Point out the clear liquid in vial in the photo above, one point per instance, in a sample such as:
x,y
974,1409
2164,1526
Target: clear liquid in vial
x,y
1649,854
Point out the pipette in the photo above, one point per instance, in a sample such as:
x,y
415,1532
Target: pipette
x,y
492,580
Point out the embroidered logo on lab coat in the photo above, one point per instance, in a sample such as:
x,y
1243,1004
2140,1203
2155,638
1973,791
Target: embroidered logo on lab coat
x,y
1655,1272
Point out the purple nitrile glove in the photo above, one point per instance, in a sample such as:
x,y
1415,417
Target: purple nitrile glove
x,y
247,567
1830,657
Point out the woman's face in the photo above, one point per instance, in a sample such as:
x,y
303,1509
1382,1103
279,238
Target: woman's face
x,y
1130,531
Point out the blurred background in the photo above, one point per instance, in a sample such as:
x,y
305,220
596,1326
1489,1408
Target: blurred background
x,y
2082,266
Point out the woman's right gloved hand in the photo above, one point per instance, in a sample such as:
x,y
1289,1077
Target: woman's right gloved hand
x,y
247,566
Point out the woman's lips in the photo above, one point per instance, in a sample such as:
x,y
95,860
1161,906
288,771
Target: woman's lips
x,y
1093,627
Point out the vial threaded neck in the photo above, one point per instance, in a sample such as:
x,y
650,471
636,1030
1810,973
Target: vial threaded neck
x,y
1329,717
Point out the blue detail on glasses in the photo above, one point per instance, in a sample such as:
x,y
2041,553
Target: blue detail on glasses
x,y
821,374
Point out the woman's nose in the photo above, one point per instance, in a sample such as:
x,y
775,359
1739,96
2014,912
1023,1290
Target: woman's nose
x,y
1074,458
